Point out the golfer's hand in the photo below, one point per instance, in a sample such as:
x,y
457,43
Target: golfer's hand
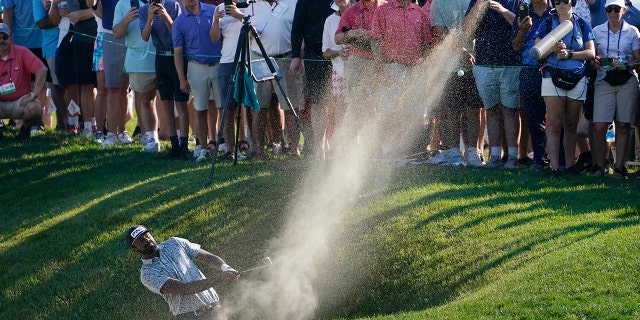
x,y
229,276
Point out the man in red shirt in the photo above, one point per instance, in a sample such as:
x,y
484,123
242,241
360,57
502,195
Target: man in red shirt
x,y
362,91
401,36
18,100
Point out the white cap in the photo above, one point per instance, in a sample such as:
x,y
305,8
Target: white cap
x,y
619,3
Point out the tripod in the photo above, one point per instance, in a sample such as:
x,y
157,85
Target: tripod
x,y
242,60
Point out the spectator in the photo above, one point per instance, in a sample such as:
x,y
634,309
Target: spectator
x,y
308,24
190,32
188,292
156,20
100,107
459,111
564,104
17,98
337,54
496,73
400,103
616,88
531,80
139,63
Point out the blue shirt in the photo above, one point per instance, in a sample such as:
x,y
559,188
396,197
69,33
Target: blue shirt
x,y
191,32
493,36
160,34
108,9
574,40
49,36
25,31
530,39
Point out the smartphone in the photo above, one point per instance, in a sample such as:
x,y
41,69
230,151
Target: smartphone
x,y
135,4
523,11
605,62
228,2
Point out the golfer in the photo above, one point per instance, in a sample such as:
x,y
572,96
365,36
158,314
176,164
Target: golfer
x,y
168,269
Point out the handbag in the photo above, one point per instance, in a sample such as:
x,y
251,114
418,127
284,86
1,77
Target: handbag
x,y
616,77
564,79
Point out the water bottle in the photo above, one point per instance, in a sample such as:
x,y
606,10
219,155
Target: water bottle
x,y
611,133
52,106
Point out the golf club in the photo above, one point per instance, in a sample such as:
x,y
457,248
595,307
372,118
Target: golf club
x,y
266,262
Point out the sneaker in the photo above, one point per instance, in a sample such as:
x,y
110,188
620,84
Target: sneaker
x,y
98,137
222,147
110,140
144,139
447,157
511,163
494,162
525,162
72,129
600,172
620,173
87,134
204,154
152,145
473,160
25,134
555,173
584,162
196,151
572,171
125,138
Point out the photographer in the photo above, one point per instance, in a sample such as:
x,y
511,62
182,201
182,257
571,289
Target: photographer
x,y
616,87
169,270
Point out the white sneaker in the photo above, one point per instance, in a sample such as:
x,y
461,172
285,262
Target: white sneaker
x,y
125,138
196,151
473,159
222,147
204,154
152,145
145,138
87,134
110,140
98,137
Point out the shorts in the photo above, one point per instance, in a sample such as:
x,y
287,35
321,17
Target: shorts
x,y
615,103
578,93
142,81
498,85
11,109
461,93
98,54
318,77
203,80
38,53
398,95
73,63
225,71
292,85
114,51
167,80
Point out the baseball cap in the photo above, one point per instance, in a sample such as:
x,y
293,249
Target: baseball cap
x,y
619,3
134,233
5,29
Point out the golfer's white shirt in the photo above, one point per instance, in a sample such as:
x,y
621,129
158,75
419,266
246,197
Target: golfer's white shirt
x,y
176,262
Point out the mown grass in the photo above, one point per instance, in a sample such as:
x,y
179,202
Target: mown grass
x,y
440,243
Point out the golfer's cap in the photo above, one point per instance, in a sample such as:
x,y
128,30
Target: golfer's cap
x,y
619,3
136,232
5,29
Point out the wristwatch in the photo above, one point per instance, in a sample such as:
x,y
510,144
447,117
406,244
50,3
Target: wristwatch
x,y
569,54
32,95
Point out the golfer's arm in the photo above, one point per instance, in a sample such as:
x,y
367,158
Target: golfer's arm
x,y
175,286
209,259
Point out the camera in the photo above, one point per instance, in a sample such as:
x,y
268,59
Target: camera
x,y
523,11
243,3
156,1
605,62
135,4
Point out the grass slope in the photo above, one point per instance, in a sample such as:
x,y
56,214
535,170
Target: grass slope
x,y
441,243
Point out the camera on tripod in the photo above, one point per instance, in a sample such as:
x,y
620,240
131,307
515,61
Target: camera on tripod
x,y
242,3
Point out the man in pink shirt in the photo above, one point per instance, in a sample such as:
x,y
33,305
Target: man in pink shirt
x,y
354,29
17,99
401,36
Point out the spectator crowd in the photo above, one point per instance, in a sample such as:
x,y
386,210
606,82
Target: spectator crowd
x,y
172,61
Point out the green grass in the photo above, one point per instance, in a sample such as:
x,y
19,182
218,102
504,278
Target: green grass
x,y
438,243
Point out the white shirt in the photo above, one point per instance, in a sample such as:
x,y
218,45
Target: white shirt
x,y
621,44
329,41
230,28
273,23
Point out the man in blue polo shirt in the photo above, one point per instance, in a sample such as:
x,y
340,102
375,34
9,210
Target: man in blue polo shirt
x,y
496,72
190,33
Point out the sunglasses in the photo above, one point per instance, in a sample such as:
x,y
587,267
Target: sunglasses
x,y
609,9
557,2
4,37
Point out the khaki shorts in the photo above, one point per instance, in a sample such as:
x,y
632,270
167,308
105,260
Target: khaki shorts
x,y
11,109
203,80
142,81
617,103
292,85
